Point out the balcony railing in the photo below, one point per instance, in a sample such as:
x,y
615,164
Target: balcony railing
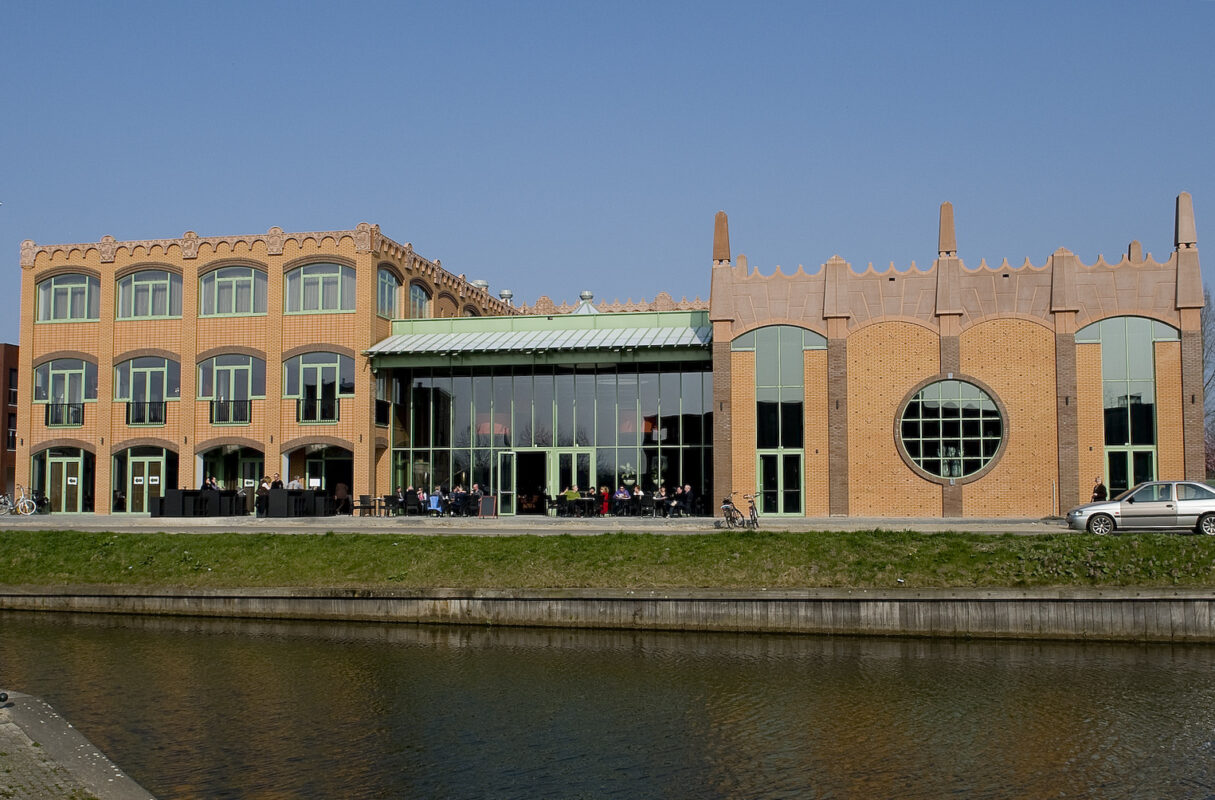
x,y
317,410
231,412
146,413
64,415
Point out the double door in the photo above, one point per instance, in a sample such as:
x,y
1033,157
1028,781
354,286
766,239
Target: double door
x,y
64,475
562,469
780,483
145,482
1128,466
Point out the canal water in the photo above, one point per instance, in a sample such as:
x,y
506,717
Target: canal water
x,y
242,709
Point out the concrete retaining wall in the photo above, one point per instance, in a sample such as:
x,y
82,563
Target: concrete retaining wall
x,y
1123,615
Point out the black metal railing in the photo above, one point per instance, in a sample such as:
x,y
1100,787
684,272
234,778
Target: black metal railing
x,y
146,413
61,415
317,410
231,412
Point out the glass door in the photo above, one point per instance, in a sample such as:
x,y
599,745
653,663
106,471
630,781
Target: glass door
x,y
1128,466
780,483
320,392
147,396
506,482
144,477
63,484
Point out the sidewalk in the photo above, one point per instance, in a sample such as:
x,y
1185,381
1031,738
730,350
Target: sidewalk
x,y
515,526
43,756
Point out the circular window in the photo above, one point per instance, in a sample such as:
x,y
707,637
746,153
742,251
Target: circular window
x,y
951,429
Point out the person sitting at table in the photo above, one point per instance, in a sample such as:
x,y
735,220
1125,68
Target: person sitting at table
x,y
435,501
295,483
277,482
572,496
459,501
620,501
675,503
660,501
689,507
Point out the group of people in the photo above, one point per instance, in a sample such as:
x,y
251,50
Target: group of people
x,y
625,501
455,502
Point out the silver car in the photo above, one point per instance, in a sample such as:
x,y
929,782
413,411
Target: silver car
x,y
1156,505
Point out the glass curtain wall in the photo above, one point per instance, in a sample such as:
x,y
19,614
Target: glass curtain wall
x,y
629,425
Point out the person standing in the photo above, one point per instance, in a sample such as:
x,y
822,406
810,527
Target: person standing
x,y
1100,493
262,501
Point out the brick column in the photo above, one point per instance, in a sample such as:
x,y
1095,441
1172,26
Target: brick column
x,y
723,412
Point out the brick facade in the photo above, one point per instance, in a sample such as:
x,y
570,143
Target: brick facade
x,y
272,336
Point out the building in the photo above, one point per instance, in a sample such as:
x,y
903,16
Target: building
x,y
154,363
947,391
10,369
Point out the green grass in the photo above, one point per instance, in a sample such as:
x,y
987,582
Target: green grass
x,y
861,559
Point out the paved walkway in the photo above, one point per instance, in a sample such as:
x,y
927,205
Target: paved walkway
x,y
42,756
514,526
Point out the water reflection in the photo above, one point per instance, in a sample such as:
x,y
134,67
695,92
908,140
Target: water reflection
x,y
206,708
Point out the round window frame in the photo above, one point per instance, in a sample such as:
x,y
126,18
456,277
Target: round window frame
x,y
937,479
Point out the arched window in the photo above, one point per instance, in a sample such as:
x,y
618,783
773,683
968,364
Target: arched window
x,y
1128,389
386,295
64,385
232,291
145,384
419,302
230,382
318,288
317,380
149,293
65,298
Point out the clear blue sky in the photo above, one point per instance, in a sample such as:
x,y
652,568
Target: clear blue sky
x,y
561,146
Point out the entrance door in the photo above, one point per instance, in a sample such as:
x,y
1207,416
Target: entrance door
x,y
780,483
314,469
573,468
1127,466
145,474
506,482
250,473
63,484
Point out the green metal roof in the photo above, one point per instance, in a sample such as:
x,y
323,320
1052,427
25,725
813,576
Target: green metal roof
x,y
622,336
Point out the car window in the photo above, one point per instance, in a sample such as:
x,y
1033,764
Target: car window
x,y
1153,493
1194,491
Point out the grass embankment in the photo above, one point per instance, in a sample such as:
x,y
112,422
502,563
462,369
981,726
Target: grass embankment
x,y
868,559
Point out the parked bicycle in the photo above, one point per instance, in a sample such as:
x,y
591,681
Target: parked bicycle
x,y
734,518
22,505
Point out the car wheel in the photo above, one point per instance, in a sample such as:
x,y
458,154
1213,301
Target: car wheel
x,y
1206,525
1102,524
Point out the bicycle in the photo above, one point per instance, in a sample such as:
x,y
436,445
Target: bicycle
x,y
753,520
23,505
733,517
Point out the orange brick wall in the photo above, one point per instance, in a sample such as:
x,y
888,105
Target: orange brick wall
x,y
885,360
817,498
1016,359
1090,416
1170,442
742,400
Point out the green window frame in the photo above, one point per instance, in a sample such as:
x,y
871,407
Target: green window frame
x,y
147,379
232,292
1128,376
69,298
301,372
780,382
419,302
232,376
149,294
387,293
65,380
319,288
